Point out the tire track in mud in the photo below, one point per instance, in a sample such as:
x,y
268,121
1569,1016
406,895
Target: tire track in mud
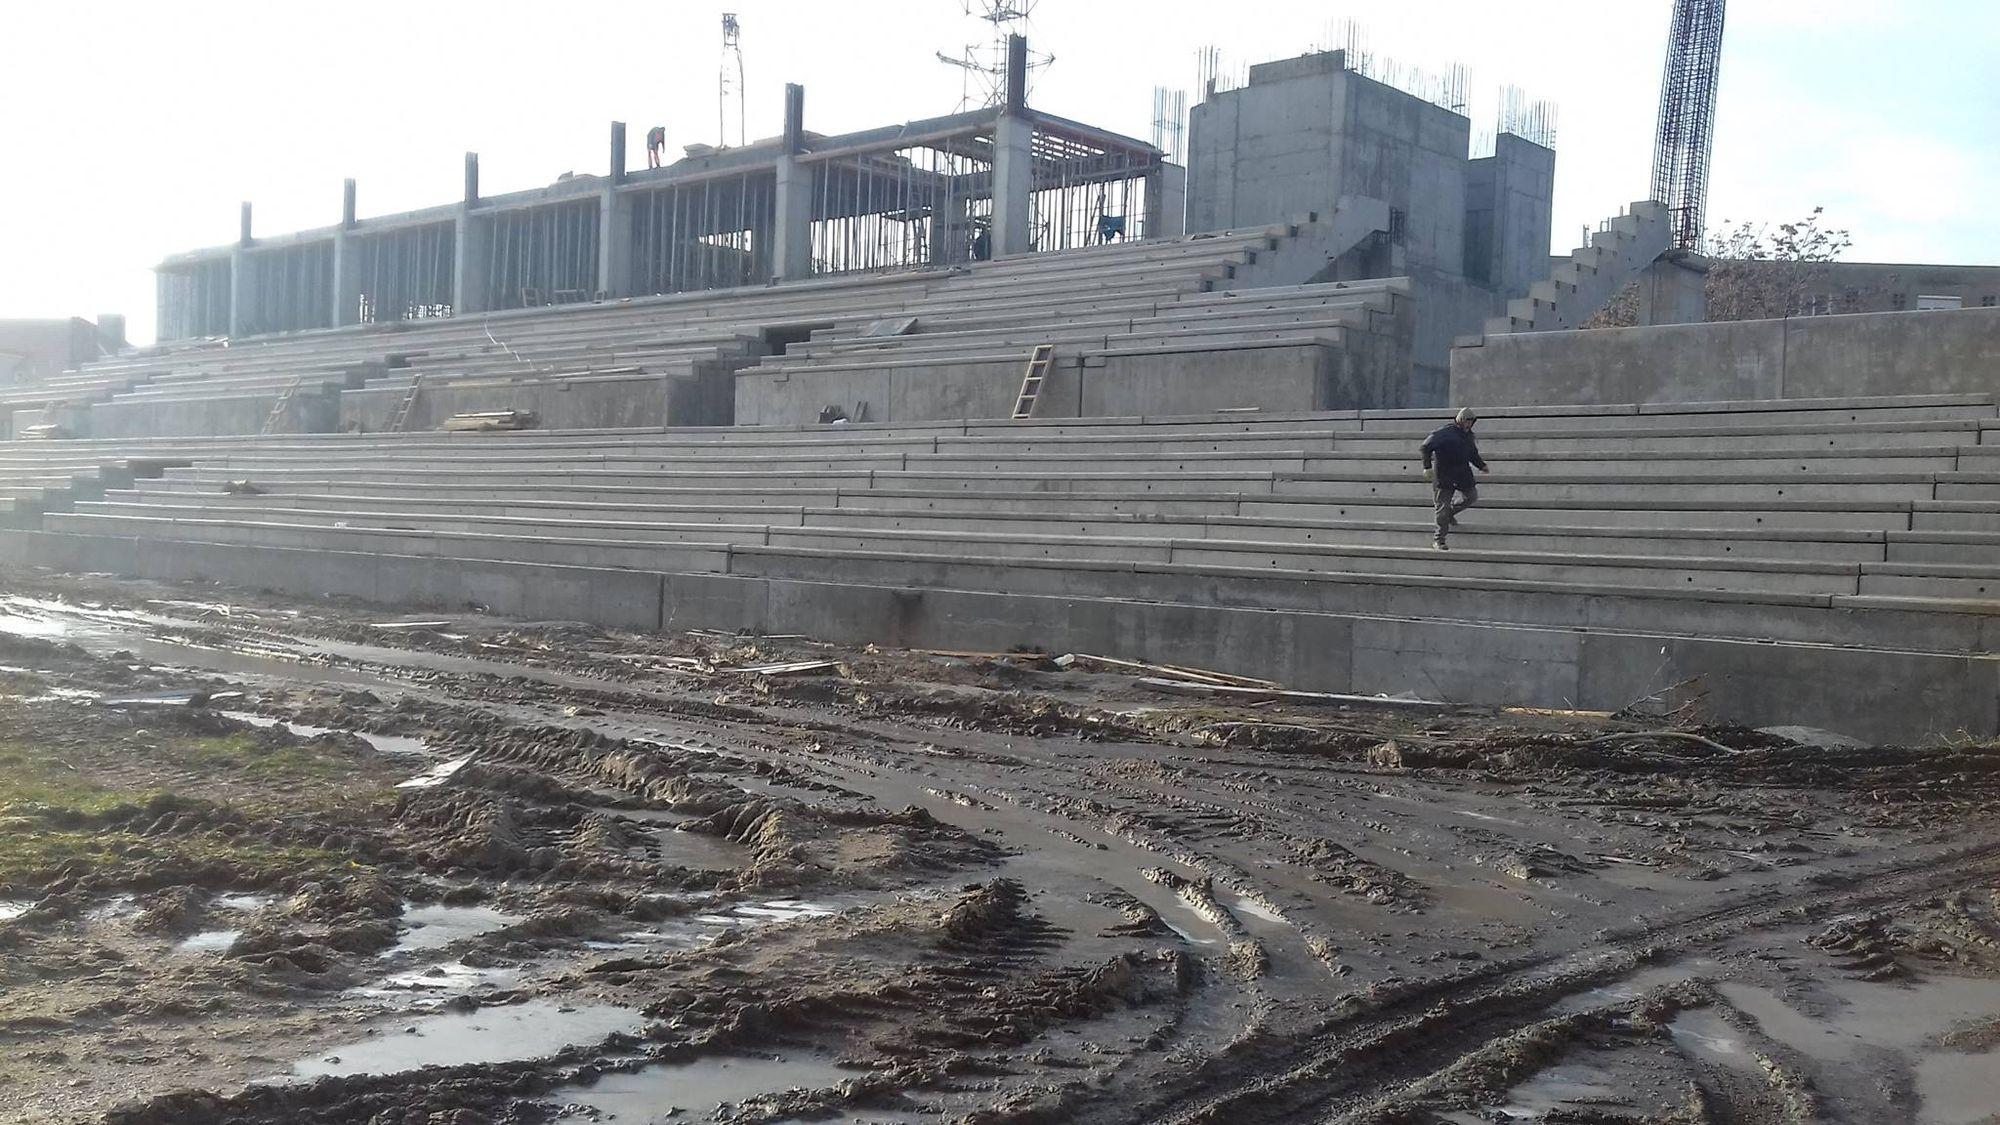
x,y
1375,1052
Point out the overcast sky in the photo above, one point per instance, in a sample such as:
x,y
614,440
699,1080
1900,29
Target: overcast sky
x,y
130,130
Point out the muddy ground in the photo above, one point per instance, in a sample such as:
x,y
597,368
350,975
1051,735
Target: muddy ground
x,y
271,861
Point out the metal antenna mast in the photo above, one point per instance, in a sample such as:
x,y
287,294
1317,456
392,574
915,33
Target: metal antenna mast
x,y
1687,116
986,64
730,82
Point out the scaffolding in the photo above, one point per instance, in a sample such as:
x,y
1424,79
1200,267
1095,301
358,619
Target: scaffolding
x,y
714,233
1086,191
194,299
923,205
292,286
542,255
403,274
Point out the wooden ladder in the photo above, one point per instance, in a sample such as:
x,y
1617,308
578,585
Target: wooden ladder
x,y
402,417
1039,363
279,407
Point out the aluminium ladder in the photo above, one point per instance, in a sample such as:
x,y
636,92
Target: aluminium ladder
x,y
1044,357
402,417
279,407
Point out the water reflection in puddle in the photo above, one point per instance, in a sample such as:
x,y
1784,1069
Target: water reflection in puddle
x,y
393,744
12,908
433,927
208,941
533,1030
657,1093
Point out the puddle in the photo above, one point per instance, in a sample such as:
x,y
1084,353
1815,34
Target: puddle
x,y
243,901
1551,1090
12,908
19,624
434,984
434,927
1952,1088
667,1093
436,775
1637,985
113,909
1255,909
1958,1089
1705,1035
393,744
208,941
515,1033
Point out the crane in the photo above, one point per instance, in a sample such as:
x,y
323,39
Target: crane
x,y
730,80
1687,117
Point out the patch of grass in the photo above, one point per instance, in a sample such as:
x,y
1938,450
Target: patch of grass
x,y
39,780
30,853
247,757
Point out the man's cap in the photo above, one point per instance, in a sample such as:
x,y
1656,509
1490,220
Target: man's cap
x,y
1465,414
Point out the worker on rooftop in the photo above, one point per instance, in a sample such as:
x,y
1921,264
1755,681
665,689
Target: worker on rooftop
x,y
656,145
1449,457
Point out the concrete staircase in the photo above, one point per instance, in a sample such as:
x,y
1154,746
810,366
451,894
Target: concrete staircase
x,y
1827,562
1622,248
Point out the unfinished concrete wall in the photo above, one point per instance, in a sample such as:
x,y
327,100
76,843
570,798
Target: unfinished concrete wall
x,y
1508,216
1351,369
579,402
1307,133
1803,357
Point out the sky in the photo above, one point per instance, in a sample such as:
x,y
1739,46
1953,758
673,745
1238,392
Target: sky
x,y
132,130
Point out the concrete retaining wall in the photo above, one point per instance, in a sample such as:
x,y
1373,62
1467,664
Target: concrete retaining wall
x,y
1888,696
1897,353
1364,370
309,412
579,403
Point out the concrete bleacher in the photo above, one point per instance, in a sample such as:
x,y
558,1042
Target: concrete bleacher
x,y
1149,316
1835,562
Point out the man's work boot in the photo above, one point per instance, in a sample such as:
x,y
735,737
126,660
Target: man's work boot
x,y
1437,543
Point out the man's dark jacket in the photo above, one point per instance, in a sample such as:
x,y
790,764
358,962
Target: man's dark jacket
x,y
1455,453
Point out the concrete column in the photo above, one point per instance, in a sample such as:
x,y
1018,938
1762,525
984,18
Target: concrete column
x,y
617,152
614,242
346,275
470,239
469,247
1166,201
1013,185
791,259
242,294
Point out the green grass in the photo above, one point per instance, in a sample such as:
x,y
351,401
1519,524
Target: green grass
x,y
29,780
245,757
44,791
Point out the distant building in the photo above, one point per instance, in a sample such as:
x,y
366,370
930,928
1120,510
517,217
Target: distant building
x,y
1852,287
37,349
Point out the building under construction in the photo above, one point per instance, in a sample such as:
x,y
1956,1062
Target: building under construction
x,y
928,193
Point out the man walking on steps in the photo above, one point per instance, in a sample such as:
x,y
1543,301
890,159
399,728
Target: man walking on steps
x,y
1449,457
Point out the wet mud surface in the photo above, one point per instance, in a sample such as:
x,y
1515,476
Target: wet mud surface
x,y
265,861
